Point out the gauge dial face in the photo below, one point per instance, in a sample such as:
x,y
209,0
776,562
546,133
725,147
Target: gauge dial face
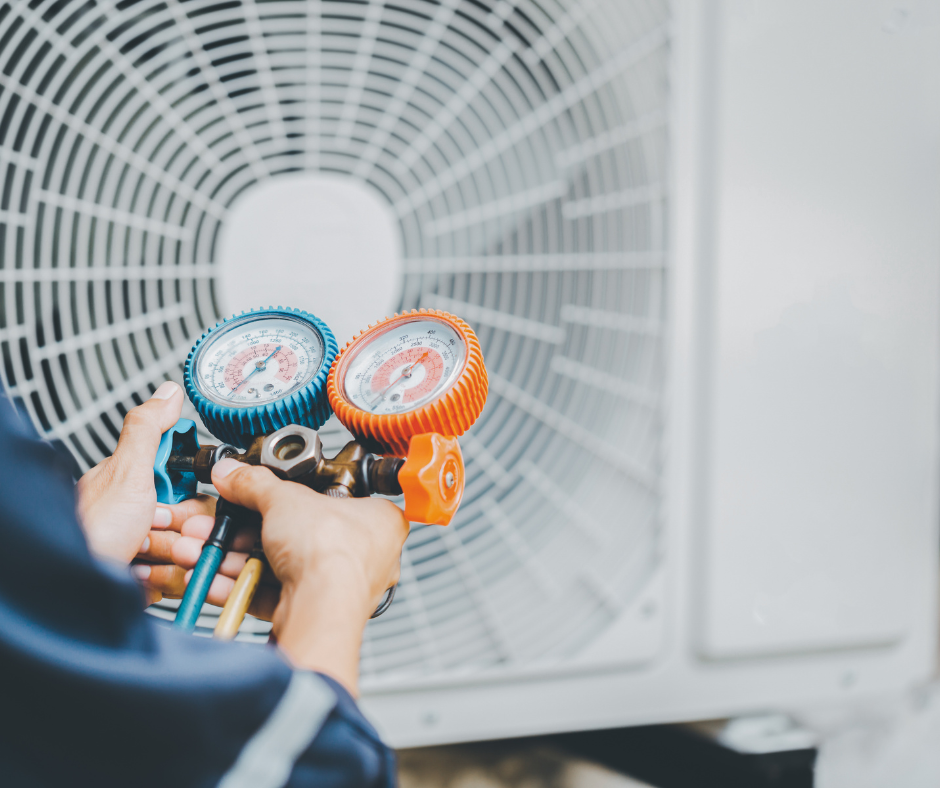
x,y
404,367
255,360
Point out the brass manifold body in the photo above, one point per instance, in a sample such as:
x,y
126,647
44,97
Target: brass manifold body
x,y
295,453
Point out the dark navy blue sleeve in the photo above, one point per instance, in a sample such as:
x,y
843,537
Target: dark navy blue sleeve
x,y
95,692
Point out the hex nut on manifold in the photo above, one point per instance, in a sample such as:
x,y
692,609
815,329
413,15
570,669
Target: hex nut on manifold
x,y
292,451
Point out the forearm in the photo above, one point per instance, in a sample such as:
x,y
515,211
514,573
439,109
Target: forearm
x,y
319,624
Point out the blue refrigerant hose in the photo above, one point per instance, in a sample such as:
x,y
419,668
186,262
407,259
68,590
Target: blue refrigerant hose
x,y
210,560
198,588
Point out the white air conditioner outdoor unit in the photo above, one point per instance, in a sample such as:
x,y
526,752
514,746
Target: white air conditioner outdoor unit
x,y
699,242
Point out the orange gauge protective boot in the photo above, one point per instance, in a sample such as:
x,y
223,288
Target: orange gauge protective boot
x,y
421,371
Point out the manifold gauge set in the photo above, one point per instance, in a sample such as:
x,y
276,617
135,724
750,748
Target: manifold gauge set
x,y
265,381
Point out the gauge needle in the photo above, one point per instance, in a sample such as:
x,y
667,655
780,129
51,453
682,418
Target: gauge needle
x,y
259,365
405,373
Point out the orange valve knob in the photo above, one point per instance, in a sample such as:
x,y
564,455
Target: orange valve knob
x,y
414,373
432,479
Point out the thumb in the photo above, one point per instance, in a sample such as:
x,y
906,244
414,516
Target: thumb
x,y
250,486
145,425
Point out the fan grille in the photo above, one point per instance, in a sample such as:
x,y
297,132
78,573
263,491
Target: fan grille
x,y
523,148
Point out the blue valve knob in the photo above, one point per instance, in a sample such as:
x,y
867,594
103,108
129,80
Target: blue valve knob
x,y
174,486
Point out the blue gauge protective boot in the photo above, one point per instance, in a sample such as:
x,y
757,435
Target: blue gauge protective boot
x,y
214,366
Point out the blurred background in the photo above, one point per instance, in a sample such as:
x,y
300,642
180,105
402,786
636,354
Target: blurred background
x,y
699,242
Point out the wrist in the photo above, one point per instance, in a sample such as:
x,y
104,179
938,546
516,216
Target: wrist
x,y
339,588
320,620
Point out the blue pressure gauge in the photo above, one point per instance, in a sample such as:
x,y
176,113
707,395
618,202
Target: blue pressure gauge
x,y
259,371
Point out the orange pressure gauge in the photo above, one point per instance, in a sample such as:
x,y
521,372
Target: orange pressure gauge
x,y
408,386
418,372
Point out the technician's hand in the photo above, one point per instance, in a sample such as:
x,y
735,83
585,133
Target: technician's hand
x,y
335,559
117,502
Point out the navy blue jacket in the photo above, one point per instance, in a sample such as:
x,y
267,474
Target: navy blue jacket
x,y
95,692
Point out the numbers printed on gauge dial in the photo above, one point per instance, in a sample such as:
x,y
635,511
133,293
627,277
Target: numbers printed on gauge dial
x,y
259,360
404,367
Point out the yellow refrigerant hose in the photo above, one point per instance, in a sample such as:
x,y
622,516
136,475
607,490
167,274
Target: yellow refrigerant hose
x,y
238,602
